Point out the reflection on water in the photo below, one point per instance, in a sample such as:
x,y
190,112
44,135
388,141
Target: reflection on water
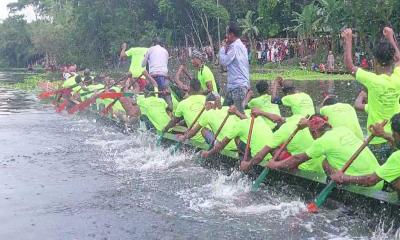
x,y
73,177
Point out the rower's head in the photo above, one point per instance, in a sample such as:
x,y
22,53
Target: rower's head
x,y
384,55
288,87
262,87
396,129
330,100
78,79
232,33
213,101
318,125
157,41
197,59
194,86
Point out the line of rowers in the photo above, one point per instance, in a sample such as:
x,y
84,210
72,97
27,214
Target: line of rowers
x,y
326,141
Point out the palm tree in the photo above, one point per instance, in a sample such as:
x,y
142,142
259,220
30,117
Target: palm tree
x,y
332,18
249,27
308,22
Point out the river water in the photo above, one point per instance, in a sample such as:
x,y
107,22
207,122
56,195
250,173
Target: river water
x,y
75,177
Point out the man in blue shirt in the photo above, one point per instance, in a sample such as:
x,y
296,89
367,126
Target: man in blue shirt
x,y
233,55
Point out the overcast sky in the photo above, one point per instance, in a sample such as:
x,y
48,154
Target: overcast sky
x,y
29,13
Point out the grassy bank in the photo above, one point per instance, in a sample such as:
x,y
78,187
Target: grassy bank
x,y
297,75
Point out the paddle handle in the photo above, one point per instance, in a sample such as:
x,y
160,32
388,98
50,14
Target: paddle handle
x,y
280,150
249,135
220,128
197,118
359,150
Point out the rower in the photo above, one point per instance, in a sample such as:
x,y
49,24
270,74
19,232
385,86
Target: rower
x,y
299,102
262,136
136,54
263,102
204,74
361,101
211,121
299,144
336,145
189,108
341,115
157,59
389,171
383,86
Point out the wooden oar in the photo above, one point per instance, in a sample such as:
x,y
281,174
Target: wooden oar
x,y
265,172
46,95
106,110
323,195
179,144
249,135
219,131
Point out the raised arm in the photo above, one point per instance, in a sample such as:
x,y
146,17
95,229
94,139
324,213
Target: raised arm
x,y
389,35
347,36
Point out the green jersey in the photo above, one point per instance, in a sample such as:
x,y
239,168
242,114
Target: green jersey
x,y
212,119
390,170
383,97
299,144
343,115
92,88
262,135
155,109
300,103
337,146
205,75
264,103
189,109
136,55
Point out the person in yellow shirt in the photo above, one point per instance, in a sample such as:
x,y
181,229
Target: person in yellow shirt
x,y
389,171
383,85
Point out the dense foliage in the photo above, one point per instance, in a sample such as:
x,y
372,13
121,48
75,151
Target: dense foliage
x,y
90,32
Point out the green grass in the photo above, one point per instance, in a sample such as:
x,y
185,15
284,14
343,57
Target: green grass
x,y
298,75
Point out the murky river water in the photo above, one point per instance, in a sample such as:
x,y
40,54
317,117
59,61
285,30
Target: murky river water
x,y
66,177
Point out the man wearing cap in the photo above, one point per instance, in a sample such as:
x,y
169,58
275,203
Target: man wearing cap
x,y
204,74
211,120
157,59
233,55
336,145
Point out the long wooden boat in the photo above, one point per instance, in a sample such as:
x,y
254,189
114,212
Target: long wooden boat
x,y
313,181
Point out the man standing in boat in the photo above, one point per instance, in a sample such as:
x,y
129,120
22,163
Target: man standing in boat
x,y
157,59
383,86
233,55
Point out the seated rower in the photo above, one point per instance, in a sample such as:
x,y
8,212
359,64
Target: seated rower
x,y
341,115
189,108
299,144
337,145
389,171
210,122
263,102
299,102
262,136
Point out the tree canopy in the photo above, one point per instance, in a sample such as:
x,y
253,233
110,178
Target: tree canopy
x,y
90,32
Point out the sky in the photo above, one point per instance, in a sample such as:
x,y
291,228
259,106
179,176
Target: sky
x,y
29,13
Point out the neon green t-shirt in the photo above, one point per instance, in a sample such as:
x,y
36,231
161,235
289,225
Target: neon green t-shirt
x,y
189,109
337,146
262,135
300,103
390,170
212,119
136,55
92,88
69,82
264,103
299,144
205,75
383,97
155,109
343,115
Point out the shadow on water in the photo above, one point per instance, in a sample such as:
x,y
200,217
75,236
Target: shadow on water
x,y
76,177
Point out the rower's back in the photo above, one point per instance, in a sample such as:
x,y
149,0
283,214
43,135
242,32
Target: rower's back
x,y
343,115
300,103
155,109
264,103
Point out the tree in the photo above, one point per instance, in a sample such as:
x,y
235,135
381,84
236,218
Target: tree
x,y
333,18
249,27
308,22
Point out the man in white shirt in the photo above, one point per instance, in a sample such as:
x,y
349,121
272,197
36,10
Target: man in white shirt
x,y
157,60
